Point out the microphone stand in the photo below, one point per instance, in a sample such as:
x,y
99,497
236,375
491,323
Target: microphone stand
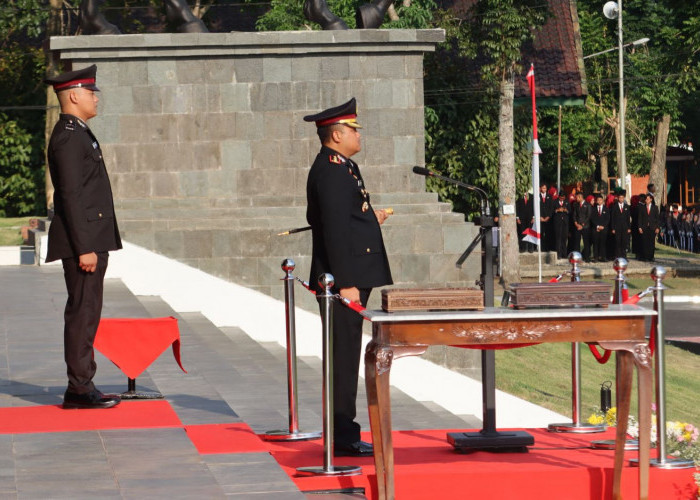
x,y
488,438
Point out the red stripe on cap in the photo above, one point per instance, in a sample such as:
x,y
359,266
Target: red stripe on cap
x,y
335,119
73,83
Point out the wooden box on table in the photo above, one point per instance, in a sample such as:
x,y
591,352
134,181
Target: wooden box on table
x,y
567,294
432,299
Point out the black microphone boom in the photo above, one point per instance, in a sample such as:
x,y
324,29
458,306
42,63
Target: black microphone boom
x,y
481,192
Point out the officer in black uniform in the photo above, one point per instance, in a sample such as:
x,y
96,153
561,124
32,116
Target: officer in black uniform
x,y
83,229
347,242
560,216
620,224
600,220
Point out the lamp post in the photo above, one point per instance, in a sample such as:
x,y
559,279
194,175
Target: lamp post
x,y
613,10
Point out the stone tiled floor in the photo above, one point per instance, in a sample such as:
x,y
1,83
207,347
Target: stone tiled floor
x,y
230,378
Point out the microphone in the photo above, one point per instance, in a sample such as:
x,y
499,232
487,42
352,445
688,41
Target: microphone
x,y
423,171
478,190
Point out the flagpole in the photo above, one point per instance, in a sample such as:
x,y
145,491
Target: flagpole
x,y
535,168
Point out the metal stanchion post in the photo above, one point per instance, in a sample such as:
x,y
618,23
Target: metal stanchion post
x,y
293,433
658,274
576,426
620,266
326,282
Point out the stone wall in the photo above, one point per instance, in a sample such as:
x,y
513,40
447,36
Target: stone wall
x,y
208,153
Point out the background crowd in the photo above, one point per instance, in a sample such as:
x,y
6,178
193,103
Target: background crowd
x,y
605,227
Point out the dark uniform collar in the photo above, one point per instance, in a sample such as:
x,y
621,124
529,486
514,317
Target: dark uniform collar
x,y
333,155
73,119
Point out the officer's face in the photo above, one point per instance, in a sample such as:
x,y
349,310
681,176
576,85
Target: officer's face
x,y
87,102
350,140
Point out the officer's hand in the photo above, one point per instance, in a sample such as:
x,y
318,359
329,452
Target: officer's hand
x,y
88,262
352,294
381,215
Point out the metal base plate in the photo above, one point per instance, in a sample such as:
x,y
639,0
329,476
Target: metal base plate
x,y
290,436
333,470
669,463
498,441
575,428
141,395
609,444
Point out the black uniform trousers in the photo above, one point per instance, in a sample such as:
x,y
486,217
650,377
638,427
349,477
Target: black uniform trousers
x,y
584,233
648,244
561,233
622,239
82,317
347,351
600,243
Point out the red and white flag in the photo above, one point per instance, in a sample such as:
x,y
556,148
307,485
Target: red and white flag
x,y
532,235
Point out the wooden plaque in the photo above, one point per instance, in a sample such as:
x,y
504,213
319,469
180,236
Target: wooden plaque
x,y
434,299
565,294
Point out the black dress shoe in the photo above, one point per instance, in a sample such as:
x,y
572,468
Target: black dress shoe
x,y
356,449
93,399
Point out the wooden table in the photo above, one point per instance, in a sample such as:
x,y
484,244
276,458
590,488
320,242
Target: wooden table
x,y
619,328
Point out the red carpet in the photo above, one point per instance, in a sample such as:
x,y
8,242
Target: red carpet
x,y
129,414
225,438
559,466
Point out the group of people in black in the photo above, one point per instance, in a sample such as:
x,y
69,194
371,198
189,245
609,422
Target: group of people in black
x,y
602,227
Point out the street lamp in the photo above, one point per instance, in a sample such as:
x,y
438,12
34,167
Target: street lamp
x,y
613,10
641,41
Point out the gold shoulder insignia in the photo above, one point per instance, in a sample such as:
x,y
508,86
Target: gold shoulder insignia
x,y
334,159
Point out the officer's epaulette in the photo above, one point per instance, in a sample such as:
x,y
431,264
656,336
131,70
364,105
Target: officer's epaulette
x,y
69,125
334,159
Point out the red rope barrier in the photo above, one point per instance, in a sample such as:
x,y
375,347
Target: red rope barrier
x,y
600,358
358,308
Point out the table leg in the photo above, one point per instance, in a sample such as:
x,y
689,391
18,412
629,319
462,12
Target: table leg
x,y
377,366
625,369
627,357
378,361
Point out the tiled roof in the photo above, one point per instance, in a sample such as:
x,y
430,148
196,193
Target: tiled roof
x,y
556,52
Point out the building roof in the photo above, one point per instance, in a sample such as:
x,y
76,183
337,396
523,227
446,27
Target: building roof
x,y
556,52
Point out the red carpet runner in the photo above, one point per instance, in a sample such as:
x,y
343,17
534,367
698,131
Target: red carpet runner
x,y
128,415
559,466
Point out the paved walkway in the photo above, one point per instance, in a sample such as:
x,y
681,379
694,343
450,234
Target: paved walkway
x,y
230,378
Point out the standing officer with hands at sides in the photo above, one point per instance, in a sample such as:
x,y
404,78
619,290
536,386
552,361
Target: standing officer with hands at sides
x,y
83,229
347,243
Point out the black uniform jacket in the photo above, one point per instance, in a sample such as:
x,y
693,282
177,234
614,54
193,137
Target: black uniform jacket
x,y
84,218
620,219
648,221
347,241
602,219
582,213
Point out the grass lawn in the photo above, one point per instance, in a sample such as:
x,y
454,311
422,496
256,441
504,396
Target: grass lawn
x,y
10,234
542,374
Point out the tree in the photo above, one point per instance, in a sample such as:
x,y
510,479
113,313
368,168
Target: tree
x,y
659,77
490,38
18,179
21,74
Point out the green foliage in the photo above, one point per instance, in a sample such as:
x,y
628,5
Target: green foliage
x,y
462,106
22,23
18,180
288,15
22,17
499,29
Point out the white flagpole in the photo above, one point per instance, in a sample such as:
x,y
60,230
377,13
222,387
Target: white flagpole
x,y
535,168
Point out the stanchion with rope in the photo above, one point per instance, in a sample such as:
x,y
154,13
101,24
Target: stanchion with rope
x,y
293,433
326,282
662,461
576,426
620,296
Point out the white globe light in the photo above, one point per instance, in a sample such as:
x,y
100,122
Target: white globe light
x,y
610,10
